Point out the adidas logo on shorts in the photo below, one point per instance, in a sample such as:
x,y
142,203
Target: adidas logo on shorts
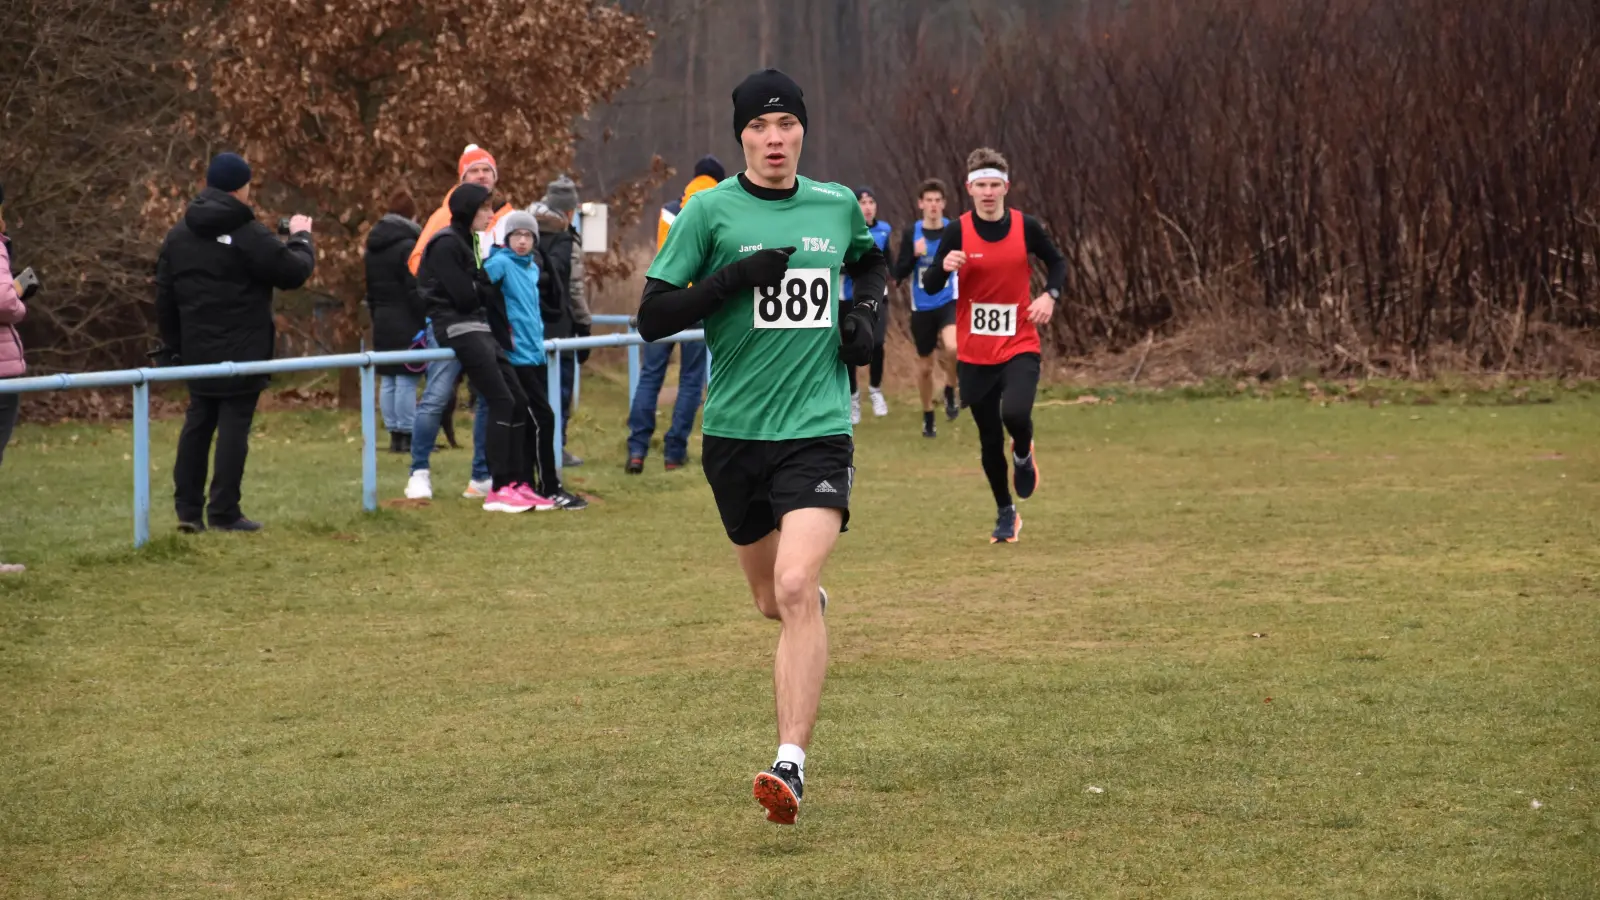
x,y
826,488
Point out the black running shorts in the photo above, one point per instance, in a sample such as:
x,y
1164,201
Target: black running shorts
x,y
757,483
926,325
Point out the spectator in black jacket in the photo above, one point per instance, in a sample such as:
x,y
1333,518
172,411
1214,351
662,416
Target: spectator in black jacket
x,y
214,282
469,317
398,318
559,242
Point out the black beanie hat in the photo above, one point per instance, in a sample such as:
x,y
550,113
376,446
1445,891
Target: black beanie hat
x,y
228,172
864,191
710,167
767,91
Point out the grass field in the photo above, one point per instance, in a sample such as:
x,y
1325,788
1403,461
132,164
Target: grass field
x,y
1247,648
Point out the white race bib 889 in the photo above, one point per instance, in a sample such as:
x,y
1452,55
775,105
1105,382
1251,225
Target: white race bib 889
x,y
994,319
804,299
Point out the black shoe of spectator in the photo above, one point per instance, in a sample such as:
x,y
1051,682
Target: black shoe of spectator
x,y
405,442
239,524
195,527
674,465
635,466
394,442
569,461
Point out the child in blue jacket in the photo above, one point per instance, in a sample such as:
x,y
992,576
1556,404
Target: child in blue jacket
x,y
516,268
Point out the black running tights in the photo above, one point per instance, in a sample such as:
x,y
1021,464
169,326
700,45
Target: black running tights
x,y
493,378
1001,400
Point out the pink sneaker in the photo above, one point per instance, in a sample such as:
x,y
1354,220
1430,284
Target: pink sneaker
x,y
507,499
539,501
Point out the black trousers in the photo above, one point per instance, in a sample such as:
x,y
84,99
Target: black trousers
x,y
10,406
491,375
539,456
228,418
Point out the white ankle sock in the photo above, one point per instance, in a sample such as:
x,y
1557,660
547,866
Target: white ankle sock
x,y
791,753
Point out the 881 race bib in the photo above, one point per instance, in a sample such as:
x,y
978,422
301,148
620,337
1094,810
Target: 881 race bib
x,y
994,319
804,299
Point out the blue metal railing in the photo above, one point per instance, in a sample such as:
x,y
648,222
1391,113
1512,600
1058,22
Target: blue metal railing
x,y
141,379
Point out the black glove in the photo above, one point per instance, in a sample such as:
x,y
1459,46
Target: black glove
x,y
856,332
763,268
582,331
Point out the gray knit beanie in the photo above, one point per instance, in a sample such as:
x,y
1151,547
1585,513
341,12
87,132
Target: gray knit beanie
x,y
561,195
521,221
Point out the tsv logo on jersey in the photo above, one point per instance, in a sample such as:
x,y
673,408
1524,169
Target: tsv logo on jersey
x,y
817,245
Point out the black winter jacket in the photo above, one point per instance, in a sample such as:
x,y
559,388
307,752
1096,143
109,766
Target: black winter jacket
x,y
392,298
455,290
214,282
557,243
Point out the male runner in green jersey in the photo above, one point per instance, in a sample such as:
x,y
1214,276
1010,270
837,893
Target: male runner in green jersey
x,y
759,259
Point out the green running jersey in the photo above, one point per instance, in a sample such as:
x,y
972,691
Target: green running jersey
x,y
775,369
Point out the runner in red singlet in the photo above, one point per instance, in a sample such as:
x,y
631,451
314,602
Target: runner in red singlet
x,y
997,341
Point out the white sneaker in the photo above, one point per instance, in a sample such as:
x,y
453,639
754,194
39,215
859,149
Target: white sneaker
x,y
855,409
420,485
880,406
477,490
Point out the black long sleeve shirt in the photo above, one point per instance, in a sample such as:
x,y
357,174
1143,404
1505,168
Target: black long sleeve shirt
x,y
1038,242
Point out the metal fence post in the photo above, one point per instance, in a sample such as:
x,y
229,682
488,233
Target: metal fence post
x,y
553,393
633,368
369,439
577,382
141,464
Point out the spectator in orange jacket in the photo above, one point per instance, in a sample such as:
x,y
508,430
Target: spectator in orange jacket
x,y
476,166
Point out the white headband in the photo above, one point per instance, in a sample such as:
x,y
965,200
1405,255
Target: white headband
x,y
976,174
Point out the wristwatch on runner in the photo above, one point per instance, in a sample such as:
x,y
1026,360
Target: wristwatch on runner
x,y
1054,293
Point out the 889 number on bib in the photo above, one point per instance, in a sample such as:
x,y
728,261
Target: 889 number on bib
x,y
804,299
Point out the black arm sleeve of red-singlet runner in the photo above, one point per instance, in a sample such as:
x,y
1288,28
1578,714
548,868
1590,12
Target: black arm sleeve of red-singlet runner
x,y
937,277
1040,245
901,267
668,309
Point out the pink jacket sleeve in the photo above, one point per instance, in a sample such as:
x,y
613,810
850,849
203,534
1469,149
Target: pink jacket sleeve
x,y
11,309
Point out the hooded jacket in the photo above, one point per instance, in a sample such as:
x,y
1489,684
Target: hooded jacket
x,y
392,298
565,313
214,281
11,312
439,220
456,292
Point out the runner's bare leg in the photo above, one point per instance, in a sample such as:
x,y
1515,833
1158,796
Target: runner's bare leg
x,y
808,537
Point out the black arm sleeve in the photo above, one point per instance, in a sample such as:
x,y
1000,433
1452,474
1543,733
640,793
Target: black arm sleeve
x,y
937,277
285,266
446,259
901,267
1040,245
870,272
668,309
167,305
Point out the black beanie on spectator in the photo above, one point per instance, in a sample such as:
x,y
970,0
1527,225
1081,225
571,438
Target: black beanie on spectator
x,y
228,172
767,91
710,167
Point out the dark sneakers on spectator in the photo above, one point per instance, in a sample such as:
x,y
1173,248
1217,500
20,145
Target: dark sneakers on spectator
x,y
569,461
239,524
565,499
635,465
674,465
194,527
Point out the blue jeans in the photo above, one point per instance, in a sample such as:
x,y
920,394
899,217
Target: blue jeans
x,y
398,400
436,395
691,384
569,373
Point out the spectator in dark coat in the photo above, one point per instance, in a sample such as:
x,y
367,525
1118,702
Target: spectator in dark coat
x,y
398,319
214,282
570,317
